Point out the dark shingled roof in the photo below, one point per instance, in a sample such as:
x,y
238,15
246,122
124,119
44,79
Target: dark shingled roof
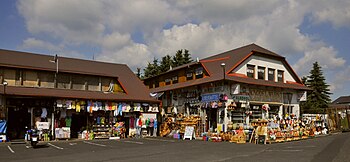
x,y
136,90
233,59
342,100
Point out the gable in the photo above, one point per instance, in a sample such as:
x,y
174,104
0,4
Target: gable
x,y
266,63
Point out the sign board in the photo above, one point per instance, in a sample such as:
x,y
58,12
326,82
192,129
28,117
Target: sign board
x,y
189,132
149,115
240,97
210,97
42,125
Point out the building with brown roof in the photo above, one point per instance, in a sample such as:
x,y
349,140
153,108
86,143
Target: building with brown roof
x,y
37,87
236,86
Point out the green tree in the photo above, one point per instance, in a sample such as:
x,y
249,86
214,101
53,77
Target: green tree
x,y
165,64
318,98
152,69
138,73
187,57
178,59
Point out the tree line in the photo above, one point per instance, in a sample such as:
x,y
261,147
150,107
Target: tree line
x,y
167,62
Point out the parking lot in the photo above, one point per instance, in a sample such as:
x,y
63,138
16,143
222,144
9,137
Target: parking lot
x,y
334,147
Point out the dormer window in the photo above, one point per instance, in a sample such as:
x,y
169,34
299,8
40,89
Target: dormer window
x,y
167,81
175,79
199,73
250,71
189,75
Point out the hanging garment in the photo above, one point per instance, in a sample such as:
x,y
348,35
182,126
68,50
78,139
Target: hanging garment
x,y
98,120
151,122
63,114
147,122
95,107
73,105
59,103
132,122
155,123
120,109
77,107
138,107
69,104
43,113
103,119
68,121
114,106
124,107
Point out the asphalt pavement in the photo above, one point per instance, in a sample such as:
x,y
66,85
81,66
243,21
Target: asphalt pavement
x,y
330,148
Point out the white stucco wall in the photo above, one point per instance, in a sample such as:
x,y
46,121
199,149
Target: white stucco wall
x,y
264,62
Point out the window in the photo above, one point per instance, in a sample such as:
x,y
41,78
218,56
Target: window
x,y
175,80
10,76
63,81
189,75
199,73
261,72
78,82
30,78
271,74
250,71
93,83
167,81
156,84
47,79
280,76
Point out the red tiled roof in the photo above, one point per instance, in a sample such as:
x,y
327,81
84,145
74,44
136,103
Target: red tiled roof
x,y
232,59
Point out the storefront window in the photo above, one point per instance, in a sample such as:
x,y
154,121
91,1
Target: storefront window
x,y
250,71
271,74
261,72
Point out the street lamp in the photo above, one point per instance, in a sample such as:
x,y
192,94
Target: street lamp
x,y
223,68
5,84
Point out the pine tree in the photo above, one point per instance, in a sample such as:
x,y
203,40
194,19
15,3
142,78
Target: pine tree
x,y
178,59
165,64
187,57
152,69
318,98
138,73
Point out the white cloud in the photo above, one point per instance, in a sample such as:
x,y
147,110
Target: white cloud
x,y
336,12
33,43
325,56
134,55
204,27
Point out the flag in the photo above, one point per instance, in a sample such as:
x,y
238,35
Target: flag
x,y
303,97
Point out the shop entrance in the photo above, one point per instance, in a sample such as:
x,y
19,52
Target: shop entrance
x,y
213,113
18,119
78,124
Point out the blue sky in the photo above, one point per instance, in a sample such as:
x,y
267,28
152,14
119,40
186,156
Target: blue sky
x,y
134,32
